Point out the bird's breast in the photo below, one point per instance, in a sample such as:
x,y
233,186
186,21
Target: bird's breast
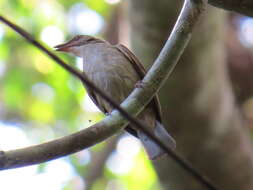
x,y
109,70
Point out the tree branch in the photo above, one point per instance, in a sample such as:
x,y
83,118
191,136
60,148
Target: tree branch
x,y
61,147
134,104
241,6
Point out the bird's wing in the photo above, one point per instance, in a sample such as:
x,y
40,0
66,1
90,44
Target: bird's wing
x,y
141,72
93,97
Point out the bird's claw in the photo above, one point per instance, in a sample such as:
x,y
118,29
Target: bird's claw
x,y
139,84
108,113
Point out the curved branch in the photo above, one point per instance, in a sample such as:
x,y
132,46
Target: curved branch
x,y
134,104
61,147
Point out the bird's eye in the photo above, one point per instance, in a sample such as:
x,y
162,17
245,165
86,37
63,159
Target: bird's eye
x,y
77,37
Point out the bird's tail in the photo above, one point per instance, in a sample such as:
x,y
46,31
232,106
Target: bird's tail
x,y
153,149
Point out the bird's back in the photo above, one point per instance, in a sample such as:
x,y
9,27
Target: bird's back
x,y
110,71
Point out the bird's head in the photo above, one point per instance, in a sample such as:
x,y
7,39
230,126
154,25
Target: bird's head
x,y
75,45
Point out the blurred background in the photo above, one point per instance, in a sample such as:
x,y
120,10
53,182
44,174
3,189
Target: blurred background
x,y
39,101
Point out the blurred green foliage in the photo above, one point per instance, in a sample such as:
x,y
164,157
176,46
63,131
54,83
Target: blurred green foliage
x,y
37,93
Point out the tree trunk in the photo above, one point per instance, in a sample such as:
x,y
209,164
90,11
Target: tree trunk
x,y
197,101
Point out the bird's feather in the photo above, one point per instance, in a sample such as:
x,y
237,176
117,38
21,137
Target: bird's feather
x,y
139,68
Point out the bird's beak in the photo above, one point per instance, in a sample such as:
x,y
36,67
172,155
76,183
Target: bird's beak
x,y
65,47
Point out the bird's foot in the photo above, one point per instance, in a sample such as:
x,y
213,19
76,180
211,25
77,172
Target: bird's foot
x,y
139,84
108,113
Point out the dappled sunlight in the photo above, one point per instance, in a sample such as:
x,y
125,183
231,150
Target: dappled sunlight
x,y
128,141
28,177
119,164
246,31
82,20
41,111
52,36
43,92
84,157
112,1
122,160
42,64
49,11
8,132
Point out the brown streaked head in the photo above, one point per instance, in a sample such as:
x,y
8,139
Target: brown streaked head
x,y
77,41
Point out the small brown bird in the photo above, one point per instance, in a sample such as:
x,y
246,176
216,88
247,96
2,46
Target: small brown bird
x,y
116,70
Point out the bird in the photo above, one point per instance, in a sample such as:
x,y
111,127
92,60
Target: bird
x,y
117,71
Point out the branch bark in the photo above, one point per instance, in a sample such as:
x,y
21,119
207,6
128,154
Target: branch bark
x,y
63,146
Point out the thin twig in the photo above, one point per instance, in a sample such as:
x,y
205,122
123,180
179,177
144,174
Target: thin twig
x,y
133,104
